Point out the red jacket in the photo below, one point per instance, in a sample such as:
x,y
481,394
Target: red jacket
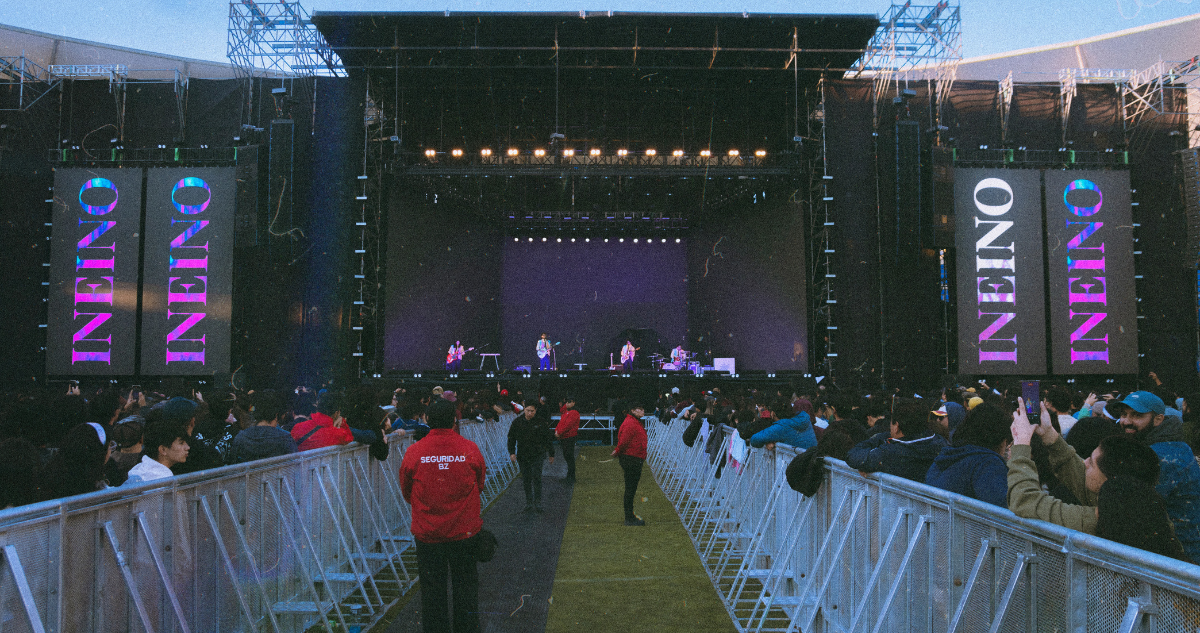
x,y
325,435
631,439
568,424
440,478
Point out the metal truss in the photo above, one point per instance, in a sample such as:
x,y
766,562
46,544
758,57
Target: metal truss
x,y
821,245
30,81
278,39
367,303
1145,94
1006,97
914,41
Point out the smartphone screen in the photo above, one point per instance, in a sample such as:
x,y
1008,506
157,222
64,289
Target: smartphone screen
x,y
1031,391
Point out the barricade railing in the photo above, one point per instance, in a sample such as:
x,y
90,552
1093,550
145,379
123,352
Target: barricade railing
x,y
881,553
316,538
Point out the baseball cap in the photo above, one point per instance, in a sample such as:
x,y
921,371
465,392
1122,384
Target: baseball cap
x,y
1140,401
974,402
941,411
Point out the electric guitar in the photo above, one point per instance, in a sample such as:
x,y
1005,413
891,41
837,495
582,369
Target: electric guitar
x,y
627,356
457,355
544,350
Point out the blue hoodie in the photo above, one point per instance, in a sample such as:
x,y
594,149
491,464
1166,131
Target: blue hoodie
x,y
797,431
972,471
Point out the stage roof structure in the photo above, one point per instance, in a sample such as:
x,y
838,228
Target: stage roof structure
x,y
422,44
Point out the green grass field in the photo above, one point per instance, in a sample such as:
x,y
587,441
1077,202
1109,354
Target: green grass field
x,y
616,578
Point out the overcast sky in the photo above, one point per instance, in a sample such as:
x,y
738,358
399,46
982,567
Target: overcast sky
x,y
196,28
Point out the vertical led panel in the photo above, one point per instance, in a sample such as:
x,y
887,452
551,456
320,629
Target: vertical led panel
x,y
1089,244
187,279
92,311
1001,284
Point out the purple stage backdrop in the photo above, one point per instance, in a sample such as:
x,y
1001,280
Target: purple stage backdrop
x,y
1093,311
584,294
94,272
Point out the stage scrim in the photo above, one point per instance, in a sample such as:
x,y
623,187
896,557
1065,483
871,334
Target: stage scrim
x,y
94,272
187,282
1001,296
1089,242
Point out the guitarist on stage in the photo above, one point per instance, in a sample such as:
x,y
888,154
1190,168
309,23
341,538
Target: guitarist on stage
x,y
627,354
543,351
454,356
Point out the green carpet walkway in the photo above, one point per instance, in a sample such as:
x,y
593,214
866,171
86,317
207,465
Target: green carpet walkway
x,y
616,578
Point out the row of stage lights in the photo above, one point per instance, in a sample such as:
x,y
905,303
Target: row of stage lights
x,y
648,240
595,152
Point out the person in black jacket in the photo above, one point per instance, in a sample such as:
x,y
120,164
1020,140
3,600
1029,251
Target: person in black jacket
x,y
529,440
906,451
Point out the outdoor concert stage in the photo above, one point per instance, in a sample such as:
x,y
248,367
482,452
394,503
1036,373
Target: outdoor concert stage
x,y
725,183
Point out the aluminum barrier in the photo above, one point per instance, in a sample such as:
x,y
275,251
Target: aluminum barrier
x,y
317,538
881,553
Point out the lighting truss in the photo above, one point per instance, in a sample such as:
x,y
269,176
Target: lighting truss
x,y
914,42
278,39
1144,93
27,79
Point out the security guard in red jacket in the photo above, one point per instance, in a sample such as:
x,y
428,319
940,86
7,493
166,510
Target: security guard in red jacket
x,y
441,477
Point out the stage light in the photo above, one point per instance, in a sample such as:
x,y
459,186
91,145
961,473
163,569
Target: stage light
x,y
651,152
634,240
568,153
733,153
760,153
457,153
531,239
485,152
572,239
543,239
622,152
516,239
514,152
595,151
606,240
429,153
664,241
677,152
705,153
677,240
622,240
539,152
559,240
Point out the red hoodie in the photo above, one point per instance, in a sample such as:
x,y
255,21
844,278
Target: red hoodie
x,y
568,424
319,432
441,477
631,439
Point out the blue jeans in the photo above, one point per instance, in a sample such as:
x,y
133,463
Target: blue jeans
x,y
545,364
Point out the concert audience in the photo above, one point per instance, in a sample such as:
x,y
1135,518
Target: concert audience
x,y
973,464
78,466
264,439
907,450
788,427
166,446
326,426
1126,466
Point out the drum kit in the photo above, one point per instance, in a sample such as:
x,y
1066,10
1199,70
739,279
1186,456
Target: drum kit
x,y
688,364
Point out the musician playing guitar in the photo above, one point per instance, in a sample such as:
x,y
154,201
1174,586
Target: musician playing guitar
x,y
678,356
455,355
544,349
627,354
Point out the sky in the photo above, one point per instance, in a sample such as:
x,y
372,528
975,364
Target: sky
x,y
197,28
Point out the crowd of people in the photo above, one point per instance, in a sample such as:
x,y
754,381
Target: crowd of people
x,y
1122,466
74,440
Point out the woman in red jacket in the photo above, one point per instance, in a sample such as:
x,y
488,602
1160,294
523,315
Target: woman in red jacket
x,y
631,453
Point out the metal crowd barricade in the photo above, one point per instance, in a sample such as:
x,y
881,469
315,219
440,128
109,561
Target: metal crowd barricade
x,y
317,538
882,553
